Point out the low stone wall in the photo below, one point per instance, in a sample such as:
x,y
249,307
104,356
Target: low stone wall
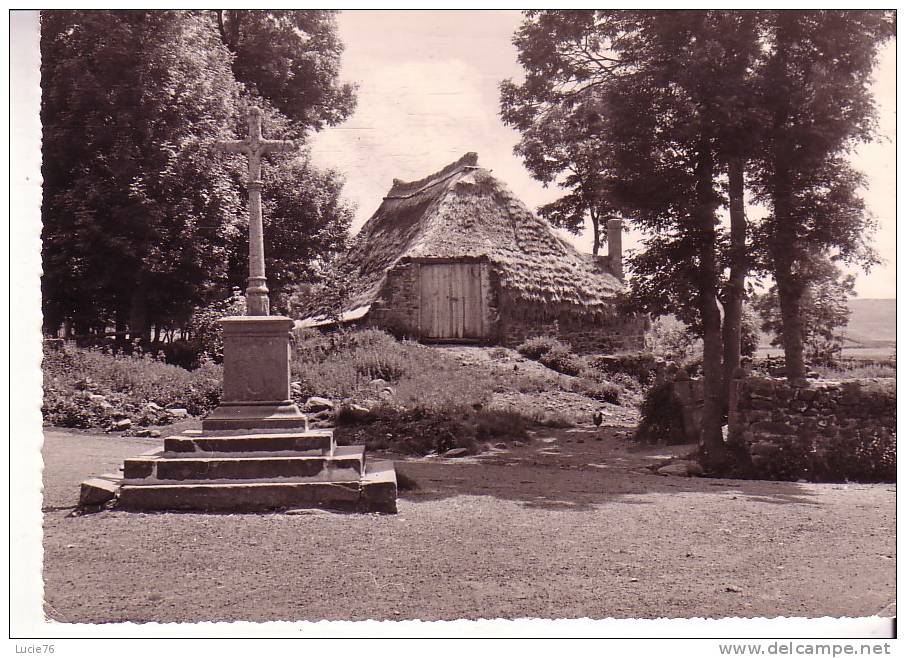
x,y
771,416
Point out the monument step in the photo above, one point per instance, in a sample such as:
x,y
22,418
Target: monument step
x,y
271,442
373,492
346,462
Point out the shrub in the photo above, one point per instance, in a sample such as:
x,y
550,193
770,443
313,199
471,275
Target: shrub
x,y
638,365
670,339
204,325
561,359
536,347
553,419
496,423
661,417
601,390
127,383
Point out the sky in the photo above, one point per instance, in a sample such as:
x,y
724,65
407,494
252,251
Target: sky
x,y
428,92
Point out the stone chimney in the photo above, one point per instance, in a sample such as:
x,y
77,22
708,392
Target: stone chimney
x,y
615,246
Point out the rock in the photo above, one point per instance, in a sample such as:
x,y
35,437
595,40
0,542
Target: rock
x,y
154,434
324,414
121,425
356,412
96,399
387,393
519,444
295,388
456,452
153,406
98,490
378,384
178,412
142,433
500,446
316,403
734,588
685,468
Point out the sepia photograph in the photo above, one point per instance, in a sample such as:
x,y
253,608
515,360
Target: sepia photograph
x,y
462,315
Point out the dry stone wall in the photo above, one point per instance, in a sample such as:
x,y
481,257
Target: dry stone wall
x,y
845,428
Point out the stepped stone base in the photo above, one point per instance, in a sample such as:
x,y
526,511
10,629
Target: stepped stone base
x,y
245,472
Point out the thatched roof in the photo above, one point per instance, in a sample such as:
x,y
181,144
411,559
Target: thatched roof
x,y
462,211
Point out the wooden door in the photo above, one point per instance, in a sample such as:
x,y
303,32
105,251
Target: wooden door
x,y
453,301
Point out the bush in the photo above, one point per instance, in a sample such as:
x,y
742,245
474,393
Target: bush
x,y
128,384
561,359
499,423
204,325
601,390
536,347
661,417
638,365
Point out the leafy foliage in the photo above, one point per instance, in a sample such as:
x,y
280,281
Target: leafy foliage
x,y
204,325
824,311
292,58
661,417
141,222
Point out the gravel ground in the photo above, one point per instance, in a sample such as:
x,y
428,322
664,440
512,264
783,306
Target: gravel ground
x,y
568,526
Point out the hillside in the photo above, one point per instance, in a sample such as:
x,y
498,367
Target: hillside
x,y
873,321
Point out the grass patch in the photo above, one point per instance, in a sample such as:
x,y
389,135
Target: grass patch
x,y
856,370
435,402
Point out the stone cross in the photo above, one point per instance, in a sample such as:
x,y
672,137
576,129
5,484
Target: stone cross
x,y
254,146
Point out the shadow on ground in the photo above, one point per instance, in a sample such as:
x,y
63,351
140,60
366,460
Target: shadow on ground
x,y
578,469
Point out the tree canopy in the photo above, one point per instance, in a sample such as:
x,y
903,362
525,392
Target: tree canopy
x,y
683,107
141,220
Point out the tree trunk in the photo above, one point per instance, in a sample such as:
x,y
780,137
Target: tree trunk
x,y
596,230
784,241
138,316
121,324
714,454
789,292
735,291
790,287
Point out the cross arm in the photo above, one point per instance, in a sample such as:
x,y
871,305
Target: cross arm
x,y
232,147
278,146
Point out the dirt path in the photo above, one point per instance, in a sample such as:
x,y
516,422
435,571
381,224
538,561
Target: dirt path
x,y
568,526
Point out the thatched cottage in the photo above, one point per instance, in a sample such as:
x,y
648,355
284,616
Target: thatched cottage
x,y
456,257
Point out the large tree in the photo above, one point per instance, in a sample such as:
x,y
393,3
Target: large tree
x,y
813,85
136,214
667,86
141,221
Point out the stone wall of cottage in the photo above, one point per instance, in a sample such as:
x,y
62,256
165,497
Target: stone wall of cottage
x,y
585,337
766,411
396,308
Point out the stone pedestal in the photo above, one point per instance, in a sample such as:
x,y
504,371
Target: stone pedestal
x,y
256,392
